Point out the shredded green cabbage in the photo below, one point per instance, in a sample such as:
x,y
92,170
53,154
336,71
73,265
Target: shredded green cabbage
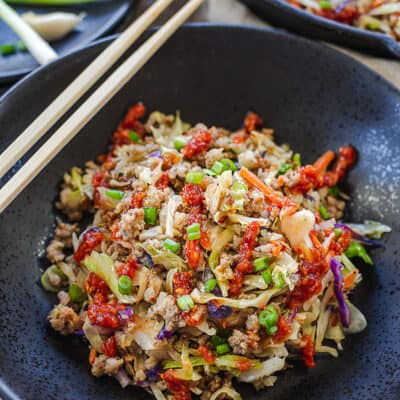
x,y
93,336
222,239
226,391
168,259
262,299
369,228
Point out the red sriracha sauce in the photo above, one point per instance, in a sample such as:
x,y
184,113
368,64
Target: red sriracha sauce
x,y
192,195
207,354
199,143
127,269
308,352
309,283
252,121
91,239
109,347
284,330
182,283
100,179
179,388
94,284
105,315
245,264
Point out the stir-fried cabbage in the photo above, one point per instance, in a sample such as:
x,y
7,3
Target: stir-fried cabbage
x,y
284,266
93,336
166,258
226,392
267,368
172,206
358,321
221,240
103,266
297,228
369,228
262,299
243,220
145,332
215,192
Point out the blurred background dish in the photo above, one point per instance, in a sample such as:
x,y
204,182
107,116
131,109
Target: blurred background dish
x,y
281,14
100,18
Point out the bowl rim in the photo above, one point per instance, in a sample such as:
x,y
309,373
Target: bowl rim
x,y
201,26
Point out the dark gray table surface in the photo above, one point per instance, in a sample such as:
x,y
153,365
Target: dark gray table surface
x,y
138,6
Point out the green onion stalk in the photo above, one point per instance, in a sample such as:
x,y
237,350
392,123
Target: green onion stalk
x,y
38,47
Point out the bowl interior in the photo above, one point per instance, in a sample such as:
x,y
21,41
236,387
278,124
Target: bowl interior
x,y
315,98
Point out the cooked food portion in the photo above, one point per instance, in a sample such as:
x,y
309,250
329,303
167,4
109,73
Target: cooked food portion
x,y
210,255
374,15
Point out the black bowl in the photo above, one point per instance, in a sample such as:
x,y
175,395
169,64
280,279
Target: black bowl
x,y
315,97
282,14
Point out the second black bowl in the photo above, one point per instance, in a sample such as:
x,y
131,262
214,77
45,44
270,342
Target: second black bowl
x,y
282,14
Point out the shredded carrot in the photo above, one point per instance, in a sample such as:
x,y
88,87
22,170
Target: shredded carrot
x,y
348,282
323,162
92,356
255,181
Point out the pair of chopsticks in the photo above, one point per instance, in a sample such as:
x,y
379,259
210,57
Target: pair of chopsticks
x,y
93,104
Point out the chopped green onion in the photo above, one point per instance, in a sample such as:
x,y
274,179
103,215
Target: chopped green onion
x,y
134,136
228,164
209,172
267,276
279,281
210,285
239,190
195,177
21,46
150,215
284,168
297,159
261,263
223,349
125,285
323,212
114,194
272,330
218,168
193,231
356,249
7,49
180,142
268,317
171,245
76,294
334,191
225,164
325,5
185,303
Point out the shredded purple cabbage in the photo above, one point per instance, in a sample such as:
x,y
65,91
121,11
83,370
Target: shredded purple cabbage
x,y
147,260
217,291
125,315
79,333
218,312
344,310
165,334
155,154
152,375
360,238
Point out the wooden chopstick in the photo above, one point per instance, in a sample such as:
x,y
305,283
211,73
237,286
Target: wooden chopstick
x,y
79,87
91,106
